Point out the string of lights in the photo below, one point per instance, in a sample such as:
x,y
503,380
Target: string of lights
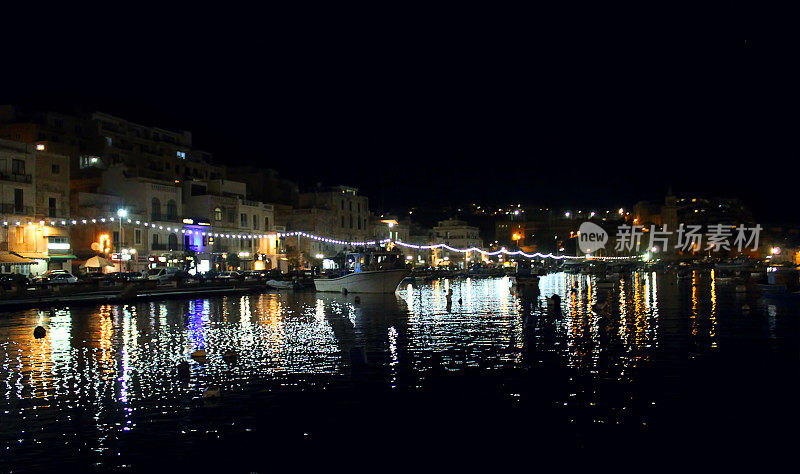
x,y
504,251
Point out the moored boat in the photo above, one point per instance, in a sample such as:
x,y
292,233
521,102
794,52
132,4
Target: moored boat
x,y
378,281
280,284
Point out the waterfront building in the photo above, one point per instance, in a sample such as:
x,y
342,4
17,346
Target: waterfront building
x,y
304,251
34,192
348,210
458,234
223,205
264,184
95,141
337,213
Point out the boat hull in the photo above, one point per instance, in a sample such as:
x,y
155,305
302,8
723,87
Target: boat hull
x,y
382,281
280,285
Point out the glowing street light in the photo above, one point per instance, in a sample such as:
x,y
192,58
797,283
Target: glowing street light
x,y
121,213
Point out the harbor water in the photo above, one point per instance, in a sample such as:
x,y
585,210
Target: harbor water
x,y
656,364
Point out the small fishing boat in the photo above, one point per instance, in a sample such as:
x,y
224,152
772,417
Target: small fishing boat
x,y
280,284
378,281
367,272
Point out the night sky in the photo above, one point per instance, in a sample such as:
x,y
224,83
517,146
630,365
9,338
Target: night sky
x,y
443,111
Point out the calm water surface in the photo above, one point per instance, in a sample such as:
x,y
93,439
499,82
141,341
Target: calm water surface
x,y
656,360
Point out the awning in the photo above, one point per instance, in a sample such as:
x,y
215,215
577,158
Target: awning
x,y
62,257
33,255
97,262
10,258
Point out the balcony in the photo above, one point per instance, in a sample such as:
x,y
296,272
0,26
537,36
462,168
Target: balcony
x,y
12,208
166,246
17,178
57,212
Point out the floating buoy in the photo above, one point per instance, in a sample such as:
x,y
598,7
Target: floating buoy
x,y
199,354
183,369
39,332
211,392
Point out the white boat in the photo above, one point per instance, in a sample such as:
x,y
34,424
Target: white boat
x,y
280,285
378,281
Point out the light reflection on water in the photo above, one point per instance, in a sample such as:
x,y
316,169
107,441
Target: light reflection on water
x,y
111,359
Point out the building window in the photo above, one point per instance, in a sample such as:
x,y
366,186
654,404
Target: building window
x,y
172,210
255,222
350,205
20,234
244,220
351,221
17,166
155,240
231,215
182,155
19,203
115,237
266,223
55,169
51,207
359,224
342,222
173,241
343,206
155,213
137,235
218,214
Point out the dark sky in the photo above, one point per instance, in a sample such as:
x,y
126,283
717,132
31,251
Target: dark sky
x,y
449,109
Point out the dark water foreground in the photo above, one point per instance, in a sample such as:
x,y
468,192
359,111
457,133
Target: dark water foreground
x,y
659,369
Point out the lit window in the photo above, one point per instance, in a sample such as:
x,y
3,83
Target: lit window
x,y
182,155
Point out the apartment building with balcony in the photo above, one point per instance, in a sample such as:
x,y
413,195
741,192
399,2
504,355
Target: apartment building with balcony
x,y
95,141
34,192
229,214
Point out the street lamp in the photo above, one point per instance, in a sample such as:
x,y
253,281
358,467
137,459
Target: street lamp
x,y
121,213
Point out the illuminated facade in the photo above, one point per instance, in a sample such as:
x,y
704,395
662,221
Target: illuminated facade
x,y
34,192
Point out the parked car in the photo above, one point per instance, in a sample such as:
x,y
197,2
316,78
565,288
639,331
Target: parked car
x,y
229,275
129,276
162,274
255,275
14,278
57,277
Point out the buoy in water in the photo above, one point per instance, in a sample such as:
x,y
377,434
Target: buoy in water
x,y
199,354
211,392
39,332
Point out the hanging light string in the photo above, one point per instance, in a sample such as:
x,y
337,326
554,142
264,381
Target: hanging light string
x,y
504,251
327,240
